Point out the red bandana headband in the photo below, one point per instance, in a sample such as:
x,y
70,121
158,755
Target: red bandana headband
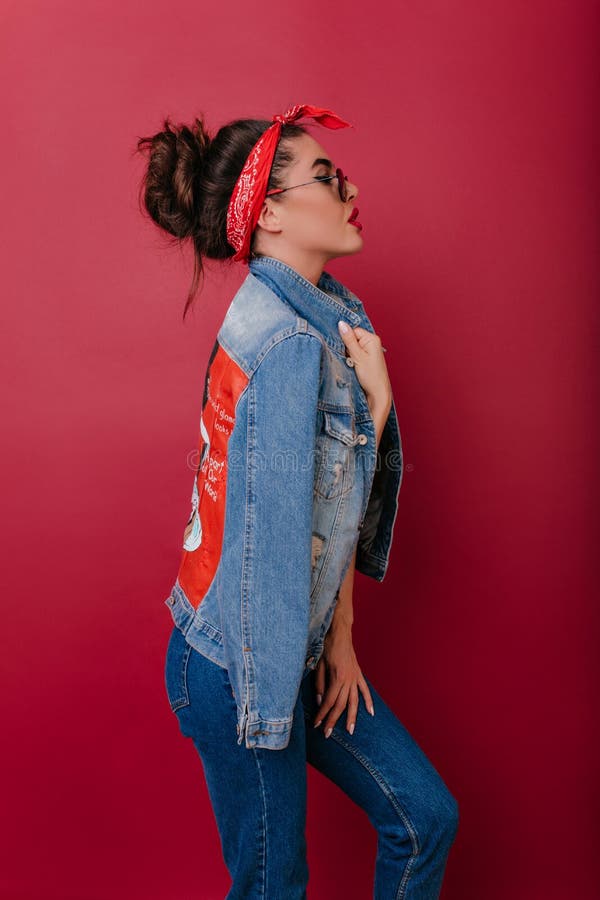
x,y
251,187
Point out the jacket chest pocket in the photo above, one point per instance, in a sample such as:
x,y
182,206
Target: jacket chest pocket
x,y
334,454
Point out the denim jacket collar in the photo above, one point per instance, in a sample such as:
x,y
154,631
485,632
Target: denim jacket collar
x,y
322,305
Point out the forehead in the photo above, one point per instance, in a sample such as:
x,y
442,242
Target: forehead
x,y
306,150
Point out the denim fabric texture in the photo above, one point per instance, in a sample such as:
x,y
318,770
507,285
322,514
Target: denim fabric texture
x,y
259,798
288,482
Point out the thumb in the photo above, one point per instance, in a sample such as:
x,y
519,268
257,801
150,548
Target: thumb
x,y
347,335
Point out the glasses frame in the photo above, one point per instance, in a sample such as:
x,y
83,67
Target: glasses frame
x,y
342,187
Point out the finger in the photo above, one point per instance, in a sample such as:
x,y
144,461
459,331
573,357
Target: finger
x,y
364,688
348,336
328,703
336,711
352,709
367,338
324,707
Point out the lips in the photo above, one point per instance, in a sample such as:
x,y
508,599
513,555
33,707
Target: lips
x,y
353,220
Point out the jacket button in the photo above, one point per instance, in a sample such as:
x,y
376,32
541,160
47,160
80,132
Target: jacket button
x,y
362,439
309,660
349,361
171,601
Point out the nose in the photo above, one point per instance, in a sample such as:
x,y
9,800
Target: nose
x,y
351,190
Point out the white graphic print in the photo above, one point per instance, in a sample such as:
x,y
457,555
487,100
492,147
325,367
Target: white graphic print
x,y
193,529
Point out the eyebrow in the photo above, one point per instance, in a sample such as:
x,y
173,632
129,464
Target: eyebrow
x,y
322,162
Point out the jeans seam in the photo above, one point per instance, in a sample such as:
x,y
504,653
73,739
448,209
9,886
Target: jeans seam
x,y
389,793
264,835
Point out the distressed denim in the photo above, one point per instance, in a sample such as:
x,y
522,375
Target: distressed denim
x,y
288,482
259,797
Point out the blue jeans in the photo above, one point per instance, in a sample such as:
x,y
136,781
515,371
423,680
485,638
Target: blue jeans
x,y
259,795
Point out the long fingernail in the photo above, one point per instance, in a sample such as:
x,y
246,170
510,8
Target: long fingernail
x,y
371,710
351,728
342,326
328,732
319,699
318,723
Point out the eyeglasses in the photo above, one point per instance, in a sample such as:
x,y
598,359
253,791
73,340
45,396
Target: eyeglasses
x,y
342,187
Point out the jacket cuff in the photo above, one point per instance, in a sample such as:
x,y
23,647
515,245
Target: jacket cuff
x,y
272,734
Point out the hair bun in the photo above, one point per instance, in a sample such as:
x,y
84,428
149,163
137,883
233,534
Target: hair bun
x,y
190,178
171,183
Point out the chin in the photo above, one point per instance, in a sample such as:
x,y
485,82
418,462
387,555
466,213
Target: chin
x,y
350,249
358,244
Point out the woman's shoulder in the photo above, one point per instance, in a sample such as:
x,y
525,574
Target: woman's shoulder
x,y
257,320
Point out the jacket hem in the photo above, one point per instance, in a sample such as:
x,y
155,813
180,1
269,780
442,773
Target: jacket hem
x,y
273,734
371,565
199,633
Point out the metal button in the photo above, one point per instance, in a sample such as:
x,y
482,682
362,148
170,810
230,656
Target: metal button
x,y
171,601
349,361
362,439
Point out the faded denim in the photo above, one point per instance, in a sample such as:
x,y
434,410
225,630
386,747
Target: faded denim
x,y
259,797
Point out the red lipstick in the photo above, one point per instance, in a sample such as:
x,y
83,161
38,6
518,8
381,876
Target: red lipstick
x,y
352,220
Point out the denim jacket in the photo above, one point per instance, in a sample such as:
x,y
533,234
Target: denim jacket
x,y
288,482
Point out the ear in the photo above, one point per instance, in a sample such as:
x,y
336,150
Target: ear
x,y
269,218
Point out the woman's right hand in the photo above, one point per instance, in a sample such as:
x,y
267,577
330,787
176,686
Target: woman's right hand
x,y
365,350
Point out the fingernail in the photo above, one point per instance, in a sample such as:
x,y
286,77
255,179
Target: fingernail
x,y
318,723
351,728
328,732
342,326
319,699
371,710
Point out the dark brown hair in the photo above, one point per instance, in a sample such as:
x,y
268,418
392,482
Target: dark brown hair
x,y
190,178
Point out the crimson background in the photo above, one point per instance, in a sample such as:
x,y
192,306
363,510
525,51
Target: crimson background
x,y
475,149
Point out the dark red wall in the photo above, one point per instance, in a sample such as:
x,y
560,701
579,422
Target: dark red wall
x,y
475,150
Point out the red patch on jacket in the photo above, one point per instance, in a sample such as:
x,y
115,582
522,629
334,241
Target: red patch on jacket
x,y
224,383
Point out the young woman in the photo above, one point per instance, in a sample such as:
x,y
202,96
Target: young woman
x,y
299,469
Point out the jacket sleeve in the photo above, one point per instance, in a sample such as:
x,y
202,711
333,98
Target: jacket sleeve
x,y
272,630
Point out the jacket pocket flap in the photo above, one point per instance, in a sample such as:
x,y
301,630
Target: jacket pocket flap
x,y
340,425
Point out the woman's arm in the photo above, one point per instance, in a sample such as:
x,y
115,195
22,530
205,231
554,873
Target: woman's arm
x,y
343,614
374,539
339,690
380,410
265,623
364,348
339,659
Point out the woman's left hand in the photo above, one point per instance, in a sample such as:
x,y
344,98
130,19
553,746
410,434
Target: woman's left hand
x,y
339,666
